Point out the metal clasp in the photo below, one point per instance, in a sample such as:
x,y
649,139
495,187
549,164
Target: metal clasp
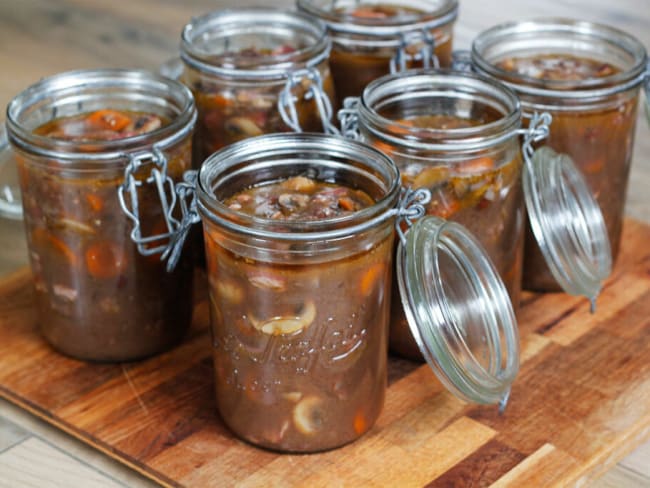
x,y
349,118
538,130
425,53
314,91
411,206
186,192
135,180
461,60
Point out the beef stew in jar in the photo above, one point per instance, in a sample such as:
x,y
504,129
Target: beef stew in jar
x,y
456,135
299,288
97,297
371,39
243,79
588,77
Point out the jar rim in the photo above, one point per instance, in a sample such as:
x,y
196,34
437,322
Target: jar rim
x,y
453,84
279,66
281,149
340,23
72,85
538,30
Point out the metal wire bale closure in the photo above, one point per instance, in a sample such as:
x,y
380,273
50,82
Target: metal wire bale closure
x,y
538,130
349,118
314,91
426,52
128,197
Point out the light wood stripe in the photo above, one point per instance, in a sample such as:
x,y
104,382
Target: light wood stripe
x,y
614,298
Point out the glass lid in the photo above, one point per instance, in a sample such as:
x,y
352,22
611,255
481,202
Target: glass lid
x,y
458,310
567,222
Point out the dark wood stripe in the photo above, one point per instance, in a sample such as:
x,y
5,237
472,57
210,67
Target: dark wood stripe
x,y
480,469
556,320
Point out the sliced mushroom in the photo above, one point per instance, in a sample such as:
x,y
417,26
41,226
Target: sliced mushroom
x,y
431,177
147,123
291,201
309,415
229,291
74,226
64,292
300,183
292,396
242,126
286,325
267,281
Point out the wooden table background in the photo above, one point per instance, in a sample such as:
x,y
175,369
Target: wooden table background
x,y
43,37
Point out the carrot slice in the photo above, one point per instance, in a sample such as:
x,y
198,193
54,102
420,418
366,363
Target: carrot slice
x,y
109,119
446,209
95,202
105,260
346,203
360,423
41,237
594,167
383,147
370,278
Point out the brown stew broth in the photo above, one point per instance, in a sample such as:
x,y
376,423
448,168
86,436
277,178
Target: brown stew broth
x,y
483,193
97,297
599,141
101,125
560,67
231,112
299,198
299,350
353,68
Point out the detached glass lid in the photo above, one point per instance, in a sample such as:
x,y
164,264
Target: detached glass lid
x,y
458,310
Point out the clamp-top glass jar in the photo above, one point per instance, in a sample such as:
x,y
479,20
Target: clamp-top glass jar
x,y
299,235
587,76
256,71
372,38
458,135
100,295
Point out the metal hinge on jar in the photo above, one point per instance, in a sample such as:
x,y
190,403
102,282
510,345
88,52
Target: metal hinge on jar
x,y
461,60
411,207
349,118
418,46
148,168
310,79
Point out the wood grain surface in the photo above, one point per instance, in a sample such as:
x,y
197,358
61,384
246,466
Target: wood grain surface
x,y
580,403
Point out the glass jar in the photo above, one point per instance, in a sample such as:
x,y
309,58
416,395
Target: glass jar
x,y
300,308
458,136
587,76
255,71
98,295
372,38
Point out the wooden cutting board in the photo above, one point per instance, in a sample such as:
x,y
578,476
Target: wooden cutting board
x,y
580,403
